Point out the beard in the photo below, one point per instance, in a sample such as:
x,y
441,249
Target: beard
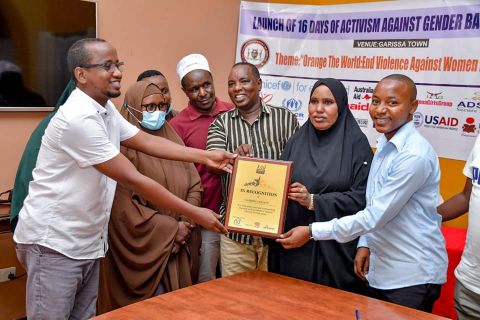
x,y
113,94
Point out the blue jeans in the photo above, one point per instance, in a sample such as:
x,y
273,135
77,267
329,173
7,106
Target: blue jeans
x,y
210,252
58,287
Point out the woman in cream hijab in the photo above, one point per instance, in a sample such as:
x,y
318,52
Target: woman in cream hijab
x,y
152,250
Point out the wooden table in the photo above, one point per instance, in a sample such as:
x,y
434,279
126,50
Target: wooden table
x,y
262,295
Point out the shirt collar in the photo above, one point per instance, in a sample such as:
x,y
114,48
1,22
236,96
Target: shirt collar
x,y
194,114
103,111
399,138
264,109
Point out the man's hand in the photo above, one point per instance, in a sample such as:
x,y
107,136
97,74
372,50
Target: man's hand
x,y
244,150
210,220
220,160
298,192
295,238
362,262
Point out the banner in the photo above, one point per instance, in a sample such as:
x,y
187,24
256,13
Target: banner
x,y
436,43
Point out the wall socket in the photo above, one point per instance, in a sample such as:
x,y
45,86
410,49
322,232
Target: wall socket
x,y
7,274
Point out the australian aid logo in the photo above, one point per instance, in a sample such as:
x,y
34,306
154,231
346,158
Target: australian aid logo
x,y
362,97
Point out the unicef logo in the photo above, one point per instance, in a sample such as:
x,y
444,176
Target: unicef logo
x,y
286,85
292,104
417,119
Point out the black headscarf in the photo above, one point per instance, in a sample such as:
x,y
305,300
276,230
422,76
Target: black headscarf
x,y
333,164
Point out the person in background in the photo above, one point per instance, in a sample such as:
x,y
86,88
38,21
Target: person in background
x,y
192,125
13,92
331,159
29,158
152,250
247,130
401,251
156,77
62,227
467,273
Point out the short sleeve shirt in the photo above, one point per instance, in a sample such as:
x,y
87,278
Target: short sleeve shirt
x,y
468,270
68,204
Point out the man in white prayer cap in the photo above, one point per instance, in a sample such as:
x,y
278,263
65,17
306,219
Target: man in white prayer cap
x,y
192,126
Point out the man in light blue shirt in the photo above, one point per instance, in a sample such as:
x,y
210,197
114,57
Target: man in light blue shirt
x,y
401,251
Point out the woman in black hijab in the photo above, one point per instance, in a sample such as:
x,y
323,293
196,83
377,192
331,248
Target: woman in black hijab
x,y
331,158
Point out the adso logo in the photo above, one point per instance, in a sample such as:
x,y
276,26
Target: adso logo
x,y
440,122
266,97
256,52
285,85
468,106
417,119
292,104
359,106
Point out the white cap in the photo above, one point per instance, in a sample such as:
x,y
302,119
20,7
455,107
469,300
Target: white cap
x,y
194,61
7,66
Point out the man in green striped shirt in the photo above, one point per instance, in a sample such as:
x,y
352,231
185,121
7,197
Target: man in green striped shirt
x,y
254,129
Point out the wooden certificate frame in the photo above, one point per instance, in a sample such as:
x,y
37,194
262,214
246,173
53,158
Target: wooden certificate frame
x,y
257,197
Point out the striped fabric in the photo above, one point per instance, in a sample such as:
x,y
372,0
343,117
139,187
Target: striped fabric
x,y
267,135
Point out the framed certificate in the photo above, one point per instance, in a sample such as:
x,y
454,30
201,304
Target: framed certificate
x,y
257,198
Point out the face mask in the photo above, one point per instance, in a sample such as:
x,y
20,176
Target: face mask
x,y
151,120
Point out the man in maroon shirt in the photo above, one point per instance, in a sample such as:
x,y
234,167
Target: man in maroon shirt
x,y
192,126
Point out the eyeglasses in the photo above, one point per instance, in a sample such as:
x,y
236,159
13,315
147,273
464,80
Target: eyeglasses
x,y
107,66
152,107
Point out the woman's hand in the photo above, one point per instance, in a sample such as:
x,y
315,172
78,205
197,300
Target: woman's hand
x,y
183,232
298,192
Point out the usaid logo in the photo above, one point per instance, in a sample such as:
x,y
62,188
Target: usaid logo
x,y
417,119
292,104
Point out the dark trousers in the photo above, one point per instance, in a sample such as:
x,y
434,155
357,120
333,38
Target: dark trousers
x,y
420,297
